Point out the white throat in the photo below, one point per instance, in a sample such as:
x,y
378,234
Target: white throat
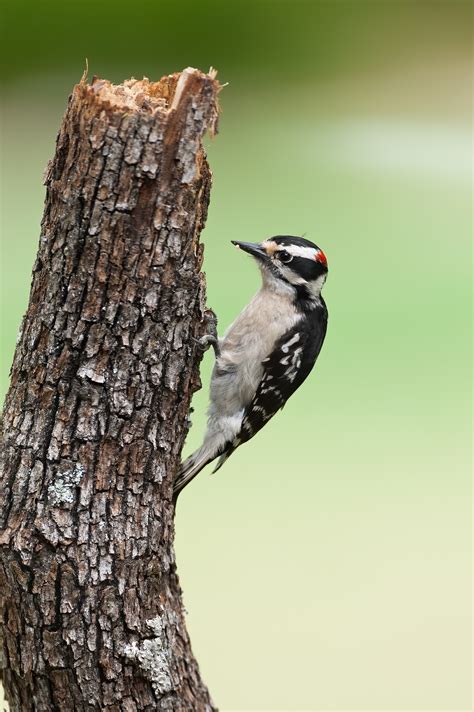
x,y
275,284
283,288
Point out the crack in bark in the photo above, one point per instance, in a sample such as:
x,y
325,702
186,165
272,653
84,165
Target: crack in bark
x,y
97,410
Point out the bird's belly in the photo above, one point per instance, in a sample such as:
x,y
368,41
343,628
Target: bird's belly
x,y
234,385
238,369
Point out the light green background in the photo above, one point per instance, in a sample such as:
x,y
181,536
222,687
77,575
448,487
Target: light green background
x,y
327,565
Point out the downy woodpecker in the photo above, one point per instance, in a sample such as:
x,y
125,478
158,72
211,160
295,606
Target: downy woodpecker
x,y
267,352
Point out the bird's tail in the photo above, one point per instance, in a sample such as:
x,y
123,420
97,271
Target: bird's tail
x,y
191,467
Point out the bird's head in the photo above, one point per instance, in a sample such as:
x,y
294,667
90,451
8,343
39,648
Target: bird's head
x,y
289,263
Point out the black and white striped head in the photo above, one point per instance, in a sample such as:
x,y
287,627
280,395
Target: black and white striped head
x,y
289,262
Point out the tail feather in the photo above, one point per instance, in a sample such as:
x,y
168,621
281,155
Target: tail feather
x,y
225,455
191,467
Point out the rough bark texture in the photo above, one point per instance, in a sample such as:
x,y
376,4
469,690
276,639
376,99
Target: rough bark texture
x,y
96,414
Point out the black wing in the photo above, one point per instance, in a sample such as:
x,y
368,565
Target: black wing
x,y
284,371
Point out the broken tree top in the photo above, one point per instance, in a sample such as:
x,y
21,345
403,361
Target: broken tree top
x,y
184,105
158,97
154,128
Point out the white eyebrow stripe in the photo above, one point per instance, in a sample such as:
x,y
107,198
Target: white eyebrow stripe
x,y
298,251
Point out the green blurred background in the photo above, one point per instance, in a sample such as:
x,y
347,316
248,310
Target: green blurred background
x,y
327,565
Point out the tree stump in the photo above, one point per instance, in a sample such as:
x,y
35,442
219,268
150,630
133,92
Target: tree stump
x,y
97,410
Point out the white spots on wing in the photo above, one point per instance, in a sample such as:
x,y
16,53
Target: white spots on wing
x,y
286,346
294,366
265,386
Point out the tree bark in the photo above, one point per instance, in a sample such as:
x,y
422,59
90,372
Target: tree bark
x,y
97,410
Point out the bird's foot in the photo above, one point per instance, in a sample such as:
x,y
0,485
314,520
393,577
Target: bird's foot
x,y
206,341
210,338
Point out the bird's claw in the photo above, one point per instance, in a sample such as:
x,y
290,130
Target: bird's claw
x,y
206,341
210,338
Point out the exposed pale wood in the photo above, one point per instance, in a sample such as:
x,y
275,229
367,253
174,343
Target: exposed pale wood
x,y
96,414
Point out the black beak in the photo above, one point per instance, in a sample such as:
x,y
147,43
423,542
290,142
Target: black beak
x,y
253,248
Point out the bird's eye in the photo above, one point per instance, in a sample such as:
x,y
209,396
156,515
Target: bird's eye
x,y
284,256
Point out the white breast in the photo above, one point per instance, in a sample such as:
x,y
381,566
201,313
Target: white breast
x,y
248,341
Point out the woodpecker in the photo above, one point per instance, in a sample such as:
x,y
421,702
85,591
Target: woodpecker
x,y
268,351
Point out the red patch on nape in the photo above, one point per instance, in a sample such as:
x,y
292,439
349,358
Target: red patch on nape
x,y
321,257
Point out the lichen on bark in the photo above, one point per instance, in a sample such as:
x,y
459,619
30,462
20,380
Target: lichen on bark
x,y
96,413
